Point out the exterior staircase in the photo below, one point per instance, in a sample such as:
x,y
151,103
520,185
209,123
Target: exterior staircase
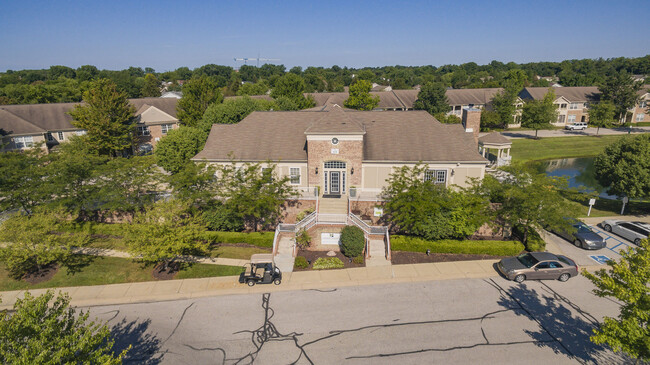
x,y
377,249
333,206
284,259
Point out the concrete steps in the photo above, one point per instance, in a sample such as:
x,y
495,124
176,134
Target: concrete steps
x,y
284,259
333,206
377,249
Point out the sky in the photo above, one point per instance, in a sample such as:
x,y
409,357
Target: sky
x,y
166,35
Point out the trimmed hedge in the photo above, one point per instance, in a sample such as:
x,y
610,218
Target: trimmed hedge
x,y
323,263
495,248
260,239
301,263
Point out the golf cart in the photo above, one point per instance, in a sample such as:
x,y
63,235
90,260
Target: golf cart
x,y
261,270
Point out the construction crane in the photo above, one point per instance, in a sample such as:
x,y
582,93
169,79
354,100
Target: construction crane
x,y
255,59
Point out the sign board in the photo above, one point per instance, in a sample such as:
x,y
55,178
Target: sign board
x,y
335,151
592,201
601,259
379,212
330,238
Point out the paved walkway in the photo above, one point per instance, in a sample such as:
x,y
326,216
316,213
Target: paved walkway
x,y
199,259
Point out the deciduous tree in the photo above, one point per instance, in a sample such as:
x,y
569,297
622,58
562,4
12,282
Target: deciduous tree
x,y
621,90
45,331
108,118
233,111
21,180
292,87
174,151
624,167
539,114
360,97
602,114
198,94
628,281
432,98
151,87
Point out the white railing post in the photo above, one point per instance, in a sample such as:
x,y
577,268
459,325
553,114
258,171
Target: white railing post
x,y
275,239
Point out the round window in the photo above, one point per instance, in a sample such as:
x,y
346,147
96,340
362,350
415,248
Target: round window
x,y
335,141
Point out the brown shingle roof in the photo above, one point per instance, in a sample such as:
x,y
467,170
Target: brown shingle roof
x,y
571,93
390,136
494,138
335,121
15,125
471,96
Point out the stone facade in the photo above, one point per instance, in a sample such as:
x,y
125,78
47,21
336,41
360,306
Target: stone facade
x,y
472,122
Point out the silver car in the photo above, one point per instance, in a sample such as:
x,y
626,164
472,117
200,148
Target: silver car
x,y
632,231
582,237
538,265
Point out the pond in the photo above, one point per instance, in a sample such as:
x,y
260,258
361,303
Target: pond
x,y
579,172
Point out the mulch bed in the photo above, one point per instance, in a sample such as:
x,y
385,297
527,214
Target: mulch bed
x,y
43,275
159,272
311,256
405,257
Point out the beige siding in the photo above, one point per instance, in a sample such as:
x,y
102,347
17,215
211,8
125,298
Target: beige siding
x,y
374,177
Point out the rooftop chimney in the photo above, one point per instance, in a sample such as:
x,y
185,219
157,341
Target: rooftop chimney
x,y
472,121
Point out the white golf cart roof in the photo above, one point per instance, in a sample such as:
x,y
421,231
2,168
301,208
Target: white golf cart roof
x,y
261,258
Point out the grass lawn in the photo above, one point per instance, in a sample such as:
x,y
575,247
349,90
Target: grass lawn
x,y
236,252
607,207
559,147
111,270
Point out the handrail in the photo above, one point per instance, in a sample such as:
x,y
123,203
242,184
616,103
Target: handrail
x,y
388,252
275,239
305,221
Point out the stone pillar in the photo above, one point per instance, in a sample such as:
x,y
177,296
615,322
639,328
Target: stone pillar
x,y
472,122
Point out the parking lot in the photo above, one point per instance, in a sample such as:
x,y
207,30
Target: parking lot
x,y
582,257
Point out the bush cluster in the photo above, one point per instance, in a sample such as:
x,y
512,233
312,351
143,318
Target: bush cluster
x,y
323,263
300,263
301,215
260,239
359,260
496,248
352,241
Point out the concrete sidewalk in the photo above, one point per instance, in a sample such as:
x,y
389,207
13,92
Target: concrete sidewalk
x,y
191,288
198,259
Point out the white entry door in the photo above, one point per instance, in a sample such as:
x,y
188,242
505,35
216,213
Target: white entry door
x,y
335,182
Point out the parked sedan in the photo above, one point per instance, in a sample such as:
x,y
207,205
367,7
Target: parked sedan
x,y
632,231
583,236
538,265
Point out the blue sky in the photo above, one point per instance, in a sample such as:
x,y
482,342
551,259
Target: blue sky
x,y
169,34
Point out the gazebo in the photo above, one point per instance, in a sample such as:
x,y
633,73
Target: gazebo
x,y
496,148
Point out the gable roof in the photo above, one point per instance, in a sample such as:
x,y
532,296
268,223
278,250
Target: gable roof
x,y
574,94
471,96
394,136
335,121
494,138
15,125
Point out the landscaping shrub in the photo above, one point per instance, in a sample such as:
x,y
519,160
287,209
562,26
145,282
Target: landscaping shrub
x,y
300,216
496,248
303,239
300,263
534,241
352,241
260,239
358,260
221,218
323,263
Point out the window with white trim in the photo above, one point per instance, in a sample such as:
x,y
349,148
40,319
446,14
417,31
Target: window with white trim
x,y
24,142
334,165
60,136
574,106
294,172
640,117
437,176
562,106
571,118
143,130
643,104
50,137
164,128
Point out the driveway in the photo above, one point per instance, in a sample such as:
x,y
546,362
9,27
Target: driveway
x,y
567,133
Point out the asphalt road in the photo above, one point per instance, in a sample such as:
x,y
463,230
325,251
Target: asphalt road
x,y
470,321
567,133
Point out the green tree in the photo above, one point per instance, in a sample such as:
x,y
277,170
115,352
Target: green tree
x,y
418,206
539,114
628,281
360,97
21,180
42,331
259,88
33,242
233,111
624,167
432,98
196,183
621,90
503,104
530,200
151,87
602,114
490,120
108,118
352,241
257,194
174,151
164,233
198,94
292,87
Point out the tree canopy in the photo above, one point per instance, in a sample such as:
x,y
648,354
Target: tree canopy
x,y
432,98
602,114
360,97
539,114
621,90
198,94
46,331
108,118
628,281
624,167
174,151
233,111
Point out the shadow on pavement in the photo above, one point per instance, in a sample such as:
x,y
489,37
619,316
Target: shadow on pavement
x,y
571,331
144,346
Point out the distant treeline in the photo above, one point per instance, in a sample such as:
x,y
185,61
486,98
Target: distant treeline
x,y
65,84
